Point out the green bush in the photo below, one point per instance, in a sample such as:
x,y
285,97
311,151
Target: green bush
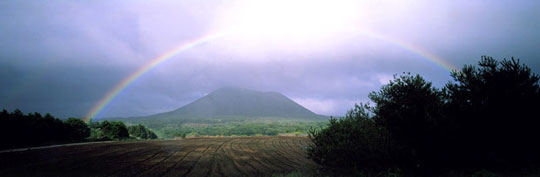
x,y
353,141
142,132
113,130
77,129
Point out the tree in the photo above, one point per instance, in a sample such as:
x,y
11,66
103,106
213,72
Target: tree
x,y
353,141
495,106
142,132
77,129
410,108
33,129
114,129
484,119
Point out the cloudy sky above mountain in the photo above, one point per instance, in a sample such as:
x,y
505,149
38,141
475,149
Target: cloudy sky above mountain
x,y
64,57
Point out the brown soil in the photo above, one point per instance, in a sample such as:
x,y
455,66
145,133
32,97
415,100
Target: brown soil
x,y
239,156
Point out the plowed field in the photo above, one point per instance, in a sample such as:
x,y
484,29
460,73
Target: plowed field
x,y
243,156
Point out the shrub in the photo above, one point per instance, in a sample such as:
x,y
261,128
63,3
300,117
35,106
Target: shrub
x,y
142,132
77,129
109,130
353,141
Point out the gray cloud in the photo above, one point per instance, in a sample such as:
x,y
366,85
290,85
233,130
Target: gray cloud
x,y
63,57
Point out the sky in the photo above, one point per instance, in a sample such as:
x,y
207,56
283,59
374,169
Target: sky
x,y
64,57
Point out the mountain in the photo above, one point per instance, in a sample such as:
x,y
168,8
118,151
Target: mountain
x,y
239,103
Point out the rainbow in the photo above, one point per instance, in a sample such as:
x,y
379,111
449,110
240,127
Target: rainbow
x,y
106,100
413,48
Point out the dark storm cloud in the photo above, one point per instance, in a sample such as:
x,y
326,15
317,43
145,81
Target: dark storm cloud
x,y
63,57
57,58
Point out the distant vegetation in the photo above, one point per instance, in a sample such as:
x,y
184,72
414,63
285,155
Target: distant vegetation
x,y
229,127
484,120
33,129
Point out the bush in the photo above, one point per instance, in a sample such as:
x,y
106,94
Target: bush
x,y
113,130
142,132
354,141
77,129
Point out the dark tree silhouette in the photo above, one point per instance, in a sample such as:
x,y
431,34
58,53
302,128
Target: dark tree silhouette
x,y
33,129
77,129
484,119
410,108
495,107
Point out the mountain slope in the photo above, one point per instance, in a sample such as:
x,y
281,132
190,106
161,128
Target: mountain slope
x,y
240,103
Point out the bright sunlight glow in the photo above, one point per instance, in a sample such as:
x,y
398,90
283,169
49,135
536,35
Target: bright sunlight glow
x,y
290,19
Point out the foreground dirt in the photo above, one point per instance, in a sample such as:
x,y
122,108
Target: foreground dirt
x,y
244,156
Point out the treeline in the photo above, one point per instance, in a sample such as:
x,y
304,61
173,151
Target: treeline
x,y
485,119
25,130
33,129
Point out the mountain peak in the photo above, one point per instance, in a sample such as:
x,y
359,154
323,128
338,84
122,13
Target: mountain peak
x,y
241,103
223,90
241,91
